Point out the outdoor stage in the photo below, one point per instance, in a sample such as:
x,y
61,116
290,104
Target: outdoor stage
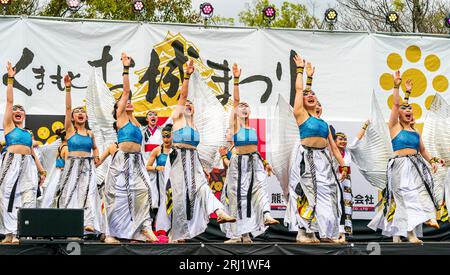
x,y
275,241
255,249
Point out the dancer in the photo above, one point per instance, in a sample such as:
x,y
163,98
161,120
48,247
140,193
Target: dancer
x,y
77,187
409,196
55,177
246,182
159,175
128,194
193,200
340,138
20,167
152,134
313,191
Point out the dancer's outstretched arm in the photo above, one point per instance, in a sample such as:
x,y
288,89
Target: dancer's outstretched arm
x,y
122,103
178,111
68,120
299,110
236,97
393,119
310,73
363,130
8,123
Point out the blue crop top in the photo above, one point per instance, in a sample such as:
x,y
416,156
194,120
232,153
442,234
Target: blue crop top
x,y
161,160
60,162
186,135
406,139
79,143
129,132
314,127
19,136
245,136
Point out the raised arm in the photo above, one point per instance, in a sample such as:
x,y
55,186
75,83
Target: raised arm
x,y
310,73
393,119
68,120
362,131
236,74
122,103
8,123
298,103
189,70
236,96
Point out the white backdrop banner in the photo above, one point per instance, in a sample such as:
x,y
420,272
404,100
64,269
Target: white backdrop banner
x,y
349,66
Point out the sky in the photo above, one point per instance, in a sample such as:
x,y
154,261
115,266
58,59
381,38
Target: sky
x,y
231,8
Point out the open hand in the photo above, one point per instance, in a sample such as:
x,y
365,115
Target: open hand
x,y
310,69
189,67
300,62
397,78
408,85
11,70
67,80
236,71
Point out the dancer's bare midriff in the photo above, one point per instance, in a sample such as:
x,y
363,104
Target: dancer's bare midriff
x,y
79,154
19,149
184,145
246,149
315,142
406,151
129,147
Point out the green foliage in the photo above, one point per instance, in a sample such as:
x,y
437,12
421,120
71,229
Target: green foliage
x,y
179,11
399,5
23,7
54,8
222,21
291,15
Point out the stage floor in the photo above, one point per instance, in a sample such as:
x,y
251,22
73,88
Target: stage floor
x,y
255,249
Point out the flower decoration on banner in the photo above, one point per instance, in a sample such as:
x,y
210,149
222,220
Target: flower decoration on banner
x,y
168,58
424,70
44,127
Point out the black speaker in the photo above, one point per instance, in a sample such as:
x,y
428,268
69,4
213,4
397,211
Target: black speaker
x,y
50,223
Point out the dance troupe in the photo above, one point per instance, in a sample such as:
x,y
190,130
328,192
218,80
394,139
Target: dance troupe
x,y
156,177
